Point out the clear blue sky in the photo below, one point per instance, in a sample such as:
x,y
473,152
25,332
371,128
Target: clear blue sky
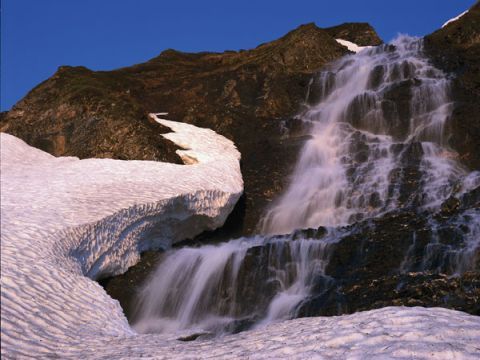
x,y
37,36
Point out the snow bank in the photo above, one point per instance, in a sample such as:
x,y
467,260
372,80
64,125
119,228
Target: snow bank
x,y
351,46
454,19
66,221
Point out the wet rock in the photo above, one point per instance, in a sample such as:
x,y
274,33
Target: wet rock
x,y
414,289
320,86
326,300
471,199
396,108
254,271
376,78
364,251
124,287
317,233
375,200
402,258
450,205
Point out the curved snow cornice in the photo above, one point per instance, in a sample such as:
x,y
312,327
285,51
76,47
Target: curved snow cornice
x,y
66,221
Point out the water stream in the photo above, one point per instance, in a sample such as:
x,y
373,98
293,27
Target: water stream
x,y
378,143
227,287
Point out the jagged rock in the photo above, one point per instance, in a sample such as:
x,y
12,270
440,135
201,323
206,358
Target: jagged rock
x,y
309,233
244,95
251,97
470,199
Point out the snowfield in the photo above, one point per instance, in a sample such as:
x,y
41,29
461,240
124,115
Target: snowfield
x,y
67,221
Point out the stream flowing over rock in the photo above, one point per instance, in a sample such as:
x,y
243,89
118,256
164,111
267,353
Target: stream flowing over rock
x,y
393,215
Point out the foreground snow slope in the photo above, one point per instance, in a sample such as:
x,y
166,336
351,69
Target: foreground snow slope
x,y
66,221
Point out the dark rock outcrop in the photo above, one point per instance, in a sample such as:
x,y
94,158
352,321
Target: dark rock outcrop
x,y
362,34
456,49
3,114
79,112
247,96
124,287
403,258
412,289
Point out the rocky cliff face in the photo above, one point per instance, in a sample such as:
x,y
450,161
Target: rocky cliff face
x,y
456,49
247,96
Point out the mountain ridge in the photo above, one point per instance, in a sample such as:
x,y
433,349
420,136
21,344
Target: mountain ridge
x,y
248,96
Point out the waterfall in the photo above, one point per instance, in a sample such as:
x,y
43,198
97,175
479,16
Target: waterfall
x,y
230,286
378,142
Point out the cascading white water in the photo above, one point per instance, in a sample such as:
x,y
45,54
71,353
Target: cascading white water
x,y
204,288
377,144
184,290
382,111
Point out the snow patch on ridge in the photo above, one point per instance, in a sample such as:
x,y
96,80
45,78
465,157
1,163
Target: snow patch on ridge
x,y
454,19
352,46
66,221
